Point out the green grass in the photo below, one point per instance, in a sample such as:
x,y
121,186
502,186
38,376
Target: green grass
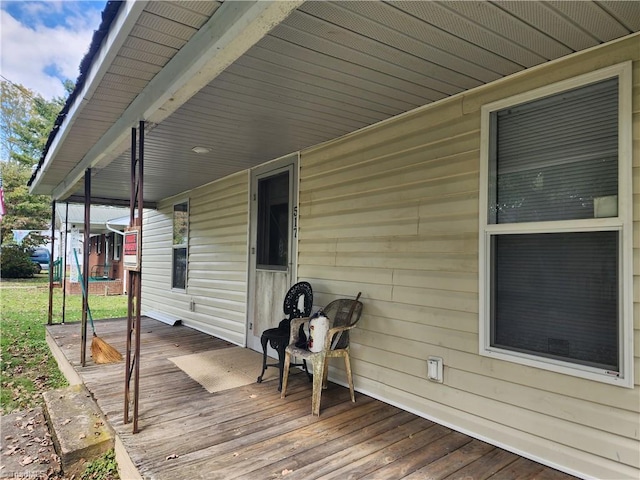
x,y
26,365
102,468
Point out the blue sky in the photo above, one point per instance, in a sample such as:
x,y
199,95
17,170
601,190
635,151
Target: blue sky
x,y
43,42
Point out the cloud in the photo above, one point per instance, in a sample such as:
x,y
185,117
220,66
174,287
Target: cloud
x,y
42,43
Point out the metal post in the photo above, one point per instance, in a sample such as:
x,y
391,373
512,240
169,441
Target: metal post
x,y
53,249
85,263
134,280
138,290
64,261
130,277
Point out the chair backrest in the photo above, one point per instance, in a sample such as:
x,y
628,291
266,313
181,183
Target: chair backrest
x,y
340,314
298,301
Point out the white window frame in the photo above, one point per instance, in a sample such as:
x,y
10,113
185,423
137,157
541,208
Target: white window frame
x,y
184,245
622,223
117,246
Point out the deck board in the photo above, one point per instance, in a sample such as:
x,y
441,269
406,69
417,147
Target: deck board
x,y
249,432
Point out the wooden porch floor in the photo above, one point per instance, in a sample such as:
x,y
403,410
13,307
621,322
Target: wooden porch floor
x,y
249,432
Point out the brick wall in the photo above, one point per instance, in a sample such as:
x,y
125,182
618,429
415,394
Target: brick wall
x,y
111,287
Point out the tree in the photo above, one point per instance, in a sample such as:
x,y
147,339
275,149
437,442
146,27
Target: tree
x,y
26,120
15,106
24,211
31,134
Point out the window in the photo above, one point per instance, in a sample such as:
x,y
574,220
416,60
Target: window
x,y
117,246
180,239
555,228
273,222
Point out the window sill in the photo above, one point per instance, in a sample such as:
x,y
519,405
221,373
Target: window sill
x,y
562,367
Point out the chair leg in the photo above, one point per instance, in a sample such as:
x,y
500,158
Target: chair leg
x,y
325,373
285,376
306,369
318,367
263,341
281,355
347,366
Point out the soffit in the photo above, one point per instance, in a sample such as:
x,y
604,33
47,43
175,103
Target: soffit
x,y
330,68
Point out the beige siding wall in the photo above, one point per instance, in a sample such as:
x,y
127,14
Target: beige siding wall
x,y
392,211
217,272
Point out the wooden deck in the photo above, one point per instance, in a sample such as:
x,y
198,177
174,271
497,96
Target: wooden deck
x,y
250,432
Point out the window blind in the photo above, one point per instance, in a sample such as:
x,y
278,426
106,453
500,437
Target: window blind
x,y
554,156
556,295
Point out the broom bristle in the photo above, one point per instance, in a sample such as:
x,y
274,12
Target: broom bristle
x,y
102,352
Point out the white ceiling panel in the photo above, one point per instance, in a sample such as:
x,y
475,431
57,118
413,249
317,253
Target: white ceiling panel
x,y
188,13
592,18
311,33
625,12
169,27
490,27
126,65
141,48
303,83
550,22
158,36
119,98
421,34
372,81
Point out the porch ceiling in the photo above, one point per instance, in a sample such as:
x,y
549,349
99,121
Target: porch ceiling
x,y
208,74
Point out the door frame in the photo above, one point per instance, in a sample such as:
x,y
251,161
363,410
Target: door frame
x,y
289,163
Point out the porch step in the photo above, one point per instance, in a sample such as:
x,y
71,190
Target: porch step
x,y
79,430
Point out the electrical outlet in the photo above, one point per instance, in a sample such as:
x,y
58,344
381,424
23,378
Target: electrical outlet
x,y
435,369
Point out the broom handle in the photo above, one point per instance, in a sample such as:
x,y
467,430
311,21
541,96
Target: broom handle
x,y
84,292
353,307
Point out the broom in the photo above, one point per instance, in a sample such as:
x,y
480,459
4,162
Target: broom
x,y
101,351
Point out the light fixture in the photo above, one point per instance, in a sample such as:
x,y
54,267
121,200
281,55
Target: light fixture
x,y
201,149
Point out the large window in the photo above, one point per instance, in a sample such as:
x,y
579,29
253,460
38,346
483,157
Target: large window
x,y
180,241
555,228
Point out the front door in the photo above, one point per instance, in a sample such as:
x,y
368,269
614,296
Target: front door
x,y
273,245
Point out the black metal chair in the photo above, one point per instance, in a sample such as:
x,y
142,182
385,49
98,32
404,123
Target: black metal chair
x,y
297,303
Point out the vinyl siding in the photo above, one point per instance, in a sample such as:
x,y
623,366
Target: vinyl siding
x,y
392,211
217,261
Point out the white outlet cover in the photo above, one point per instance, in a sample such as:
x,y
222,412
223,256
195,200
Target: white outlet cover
x,y
435,369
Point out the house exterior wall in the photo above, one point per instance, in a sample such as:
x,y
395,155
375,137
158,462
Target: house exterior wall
x,y
217,259
392,211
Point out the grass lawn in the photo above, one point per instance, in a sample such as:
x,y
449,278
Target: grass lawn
x,y
26,366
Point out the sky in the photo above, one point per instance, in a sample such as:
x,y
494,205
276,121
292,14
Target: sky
x,y
43,42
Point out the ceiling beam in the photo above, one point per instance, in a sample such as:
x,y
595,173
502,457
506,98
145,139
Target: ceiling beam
x,y
111,202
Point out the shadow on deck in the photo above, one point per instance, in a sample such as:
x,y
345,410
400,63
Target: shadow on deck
x,y
250,432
